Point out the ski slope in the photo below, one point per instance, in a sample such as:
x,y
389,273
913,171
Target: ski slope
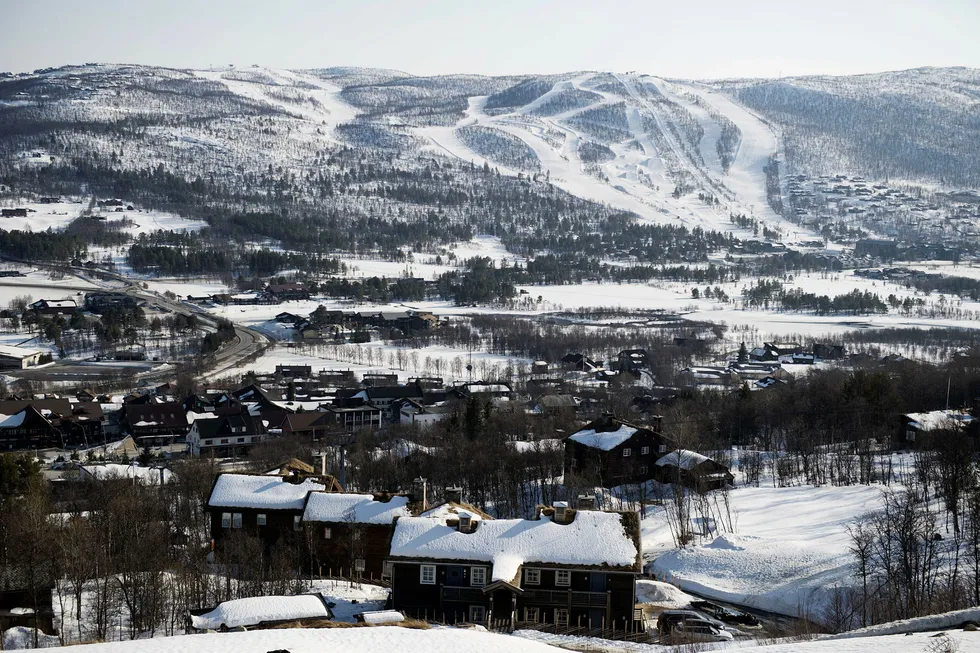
x,y
320,106
645,172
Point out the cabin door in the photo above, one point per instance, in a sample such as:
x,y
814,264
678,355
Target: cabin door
x,y
597,582
454,576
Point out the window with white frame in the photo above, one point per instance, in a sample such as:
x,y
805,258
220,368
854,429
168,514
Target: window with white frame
x,y
532,576
327,533
563,578
260,519
427,574
561,616
236,520
627,452
226,520
662,448
387,569
478,614
478,576
297,522
532,615
644,451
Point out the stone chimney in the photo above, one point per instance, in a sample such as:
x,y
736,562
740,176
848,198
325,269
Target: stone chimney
x,y
420,488
454,494
561,512
586,502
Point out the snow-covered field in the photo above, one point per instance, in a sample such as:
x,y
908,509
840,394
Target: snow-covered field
x,y
788,550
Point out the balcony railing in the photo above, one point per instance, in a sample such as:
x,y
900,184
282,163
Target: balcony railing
x,y
561,597
464,594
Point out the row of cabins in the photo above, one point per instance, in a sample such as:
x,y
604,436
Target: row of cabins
x,y
449,563
331,323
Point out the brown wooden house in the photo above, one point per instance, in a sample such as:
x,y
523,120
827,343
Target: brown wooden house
x,y
563,569
614,452
348,534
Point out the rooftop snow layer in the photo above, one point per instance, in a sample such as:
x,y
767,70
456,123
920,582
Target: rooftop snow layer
x,y
257,609
682,458
605,440
591,539
247,491
148,475
940,419
354,508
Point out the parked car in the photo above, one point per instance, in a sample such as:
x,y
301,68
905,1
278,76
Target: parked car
x,y
670,618
699,630
727,615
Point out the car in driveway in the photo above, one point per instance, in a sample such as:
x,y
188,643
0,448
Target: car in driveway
x,y
725,614
699,630
670,618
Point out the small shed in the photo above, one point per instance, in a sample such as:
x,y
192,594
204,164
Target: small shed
x,y
262,612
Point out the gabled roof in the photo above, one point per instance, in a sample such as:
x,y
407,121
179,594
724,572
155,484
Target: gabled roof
x,y
353,508
593,539
258,492
682,458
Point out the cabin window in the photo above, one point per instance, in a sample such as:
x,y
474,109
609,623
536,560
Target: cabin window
x,y
236,520
563,578
644,451
662,448
388,569
224,441
297,522
478,576
532,576
260,519
478,614
226,520
532,615
427,575
561,616
627,452
327,533
241,440
644,469
356,533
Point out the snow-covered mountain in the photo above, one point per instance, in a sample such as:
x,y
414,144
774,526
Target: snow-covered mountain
x,y
669,151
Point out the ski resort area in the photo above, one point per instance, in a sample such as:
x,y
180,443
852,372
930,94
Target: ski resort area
x,y
401,327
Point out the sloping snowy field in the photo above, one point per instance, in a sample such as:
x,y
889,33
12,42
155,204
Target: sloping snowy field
x,y
788,551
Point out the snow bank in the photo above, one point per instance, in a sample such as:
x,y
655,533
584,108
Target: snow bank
x,y
348,640
662,594
255,610
953,619
354,508
21,637
592,538
246,491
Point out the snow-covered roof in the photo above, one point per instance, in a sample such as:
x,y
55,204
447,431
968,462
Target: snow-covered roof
x,y
605,440
591,539
354,508
147,475
381,617
18,352
12,421
248,491
451,510
258,609
937,419
682,458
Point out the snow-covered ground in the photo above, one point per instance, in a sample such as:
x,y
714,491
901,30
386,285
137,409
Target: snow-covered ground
x,y
378,639
788,550
56,216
